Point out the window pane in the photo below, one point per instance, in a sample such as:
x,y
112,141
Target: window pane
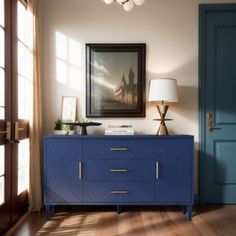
x,y
21,12
21,59
23,166
2,190
23,153
2,113
25,98
2,12
21,97
2,87
2,48
2,160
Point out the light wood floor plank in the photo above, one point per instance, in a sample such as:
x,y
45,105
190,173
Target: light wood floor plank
x,y
133,221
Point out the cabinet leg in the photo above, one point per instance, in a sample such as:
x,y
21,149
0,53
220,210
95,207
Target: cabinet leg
x,y
52,209
48,212
118,209
190,212
184,209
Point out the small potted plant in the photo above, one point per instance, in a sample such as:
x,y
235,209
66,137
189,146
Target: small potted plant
x,y
59,128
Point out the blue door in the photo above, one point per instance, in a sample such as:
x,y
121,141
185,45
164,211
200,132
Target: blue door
x,y
218,103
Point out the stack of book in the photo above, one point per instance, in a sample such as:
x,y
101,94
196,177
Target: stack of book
x,y
119,130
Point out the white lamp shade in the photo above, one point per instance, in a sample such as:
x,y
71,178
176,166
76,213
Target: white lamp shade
x,y
139,2
163,90
108,1
128,6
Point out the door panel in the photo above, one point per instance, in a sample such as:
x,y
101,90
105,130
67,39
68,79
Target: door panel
x,y
218,96
225,82
175,173
13,161
225,162
63,183
5,116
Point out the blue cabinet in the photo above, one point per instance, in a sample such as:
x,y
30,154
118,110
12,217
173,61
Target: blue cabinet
x,y
175,178
118,170
62,178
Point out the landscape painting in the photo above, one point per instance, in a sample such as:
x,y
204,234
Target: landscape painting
x,y
115,80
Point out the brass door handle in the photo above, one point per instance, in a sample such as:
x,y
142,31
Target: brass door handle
x,y
157,170
7,131
210,122
17,129
80,170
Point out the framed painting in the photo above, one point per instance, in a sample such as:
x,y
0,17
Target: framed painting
x,y
115,84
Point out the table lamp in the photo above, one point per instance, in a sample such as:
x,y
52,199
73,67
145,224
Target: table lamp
x,y
164,91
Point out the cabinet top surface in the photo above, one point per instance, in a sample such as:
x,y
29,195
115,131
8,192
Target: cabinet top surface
x,y
118,136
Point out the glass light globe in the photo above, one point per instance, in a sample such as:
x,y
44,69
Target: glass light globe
x,y
108,1
128,6
139,2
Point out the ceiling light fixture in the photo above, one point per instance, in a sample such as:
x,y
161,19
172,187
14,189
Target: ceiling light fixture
x,y
127,4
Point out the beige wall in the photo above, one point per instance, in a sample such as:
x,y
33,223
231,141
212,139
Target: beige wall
x,y
168,27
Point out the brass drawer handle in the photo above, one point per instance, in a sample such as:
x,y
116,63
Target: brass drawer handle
x,y
157,170
119,170
119,149
119,192
80,170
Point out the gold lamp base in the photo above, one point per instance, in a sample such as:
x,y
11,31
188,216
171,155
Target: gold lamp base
x,y
162,109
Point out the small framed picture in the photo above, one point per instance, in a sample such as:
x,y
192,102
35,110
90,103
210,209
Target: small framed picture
x,y
68,113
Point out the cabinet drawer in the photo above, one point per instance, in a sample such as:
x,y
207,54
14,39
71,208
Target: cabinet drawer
x,y
119,192
123,170
121,149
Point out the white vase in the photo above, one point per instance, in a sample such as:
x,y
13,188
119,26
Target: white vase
x,y
60,132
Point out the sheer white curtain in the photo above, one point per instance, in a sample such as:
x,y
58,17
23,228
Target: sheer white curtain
x,y
35,187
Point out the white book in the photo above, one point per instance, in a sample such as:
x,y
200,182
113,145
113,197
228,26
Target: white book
x,y
119,132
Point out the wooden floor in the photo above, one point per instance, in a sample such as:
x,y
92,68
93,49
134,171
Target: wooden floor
x,y
133,221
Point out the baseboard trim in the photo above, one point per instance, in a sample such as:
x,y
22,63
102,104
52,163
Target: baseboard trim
x,y
17,224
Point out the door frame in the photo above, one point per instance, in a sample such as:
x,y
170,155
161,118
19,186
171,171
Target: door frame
x,y
204,9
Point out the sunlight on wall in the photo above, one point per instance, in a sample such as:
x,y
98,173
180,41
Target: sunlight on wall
x,y
68,61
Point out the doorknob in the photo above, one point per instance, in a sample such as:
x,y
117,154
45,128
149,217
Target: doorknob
x,y
17,129
7,132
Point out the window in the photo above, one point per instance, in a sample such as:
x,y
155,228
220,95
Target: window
x,y
25,87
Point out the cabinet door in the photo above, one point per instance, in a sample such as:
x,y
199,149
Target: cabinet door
x,y
61,170
175,172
